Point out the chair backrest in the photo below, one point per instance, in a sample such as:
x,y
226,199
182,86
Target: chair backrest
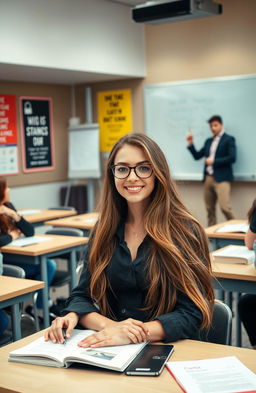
x,y
220,329
13,271
65,231
62,208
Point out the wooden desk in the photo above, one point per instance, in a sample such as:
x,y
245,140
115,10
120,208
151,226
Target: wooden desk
x,y
14,291
235,278
42,215
219,240
82,221
38,254
31,378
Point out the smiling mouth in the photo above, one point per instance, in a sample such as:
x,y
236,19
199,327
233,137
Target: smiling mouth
x,y
134,188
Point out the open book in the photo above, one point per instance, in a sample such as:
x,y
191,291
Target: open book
x,y
234,254
45,353
222,375
243,227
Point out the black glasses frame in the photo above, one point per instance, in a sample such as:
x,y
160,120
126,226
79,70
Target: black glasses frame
x,y
130,168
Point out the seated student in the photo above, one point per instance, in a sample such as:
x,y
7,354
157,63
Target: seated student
x,y
247,303
250,236
12,226
147,272
4,320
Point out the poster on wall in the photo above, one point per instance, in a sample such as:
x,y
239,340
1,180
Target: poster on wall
x,y
37,134
114,117
8,135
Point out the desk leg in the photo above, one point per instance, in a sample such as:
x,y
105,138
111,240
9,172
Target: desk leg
x,y
72,269
238,323
45,290
16,321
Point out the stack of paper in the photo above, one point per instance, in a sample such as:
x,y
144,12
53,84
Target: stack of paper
x,y
234,254
222,375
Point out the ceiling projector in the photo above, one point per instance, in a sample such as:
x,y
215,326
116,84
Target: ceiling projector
x,y
154,12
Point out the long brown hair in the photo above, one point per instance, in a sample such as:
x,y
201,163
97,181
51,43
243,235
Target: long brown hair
x,y
251,210
179,255
6,222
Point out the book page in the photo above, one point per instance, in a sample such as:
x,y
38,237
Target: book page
x,y
233,228
113,357
41,348
27,241
116,357
222,375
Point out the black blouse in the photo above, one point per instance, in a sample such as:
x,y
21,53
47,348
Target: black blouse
x,y
24,226
129,288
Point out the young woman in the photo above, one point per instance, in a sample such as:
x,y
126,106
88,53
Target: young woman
x,y
147,272
12,226
247,303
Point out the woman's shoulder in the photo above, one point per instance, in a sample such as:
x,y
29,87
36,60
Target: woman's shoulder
x,y
9,205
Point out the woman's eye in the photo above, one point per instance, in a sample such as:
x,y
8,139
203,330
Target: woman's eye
x,y
144,168
122,169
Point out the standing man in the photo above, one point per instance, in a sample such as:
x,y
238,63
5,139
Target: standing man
x,y
220,153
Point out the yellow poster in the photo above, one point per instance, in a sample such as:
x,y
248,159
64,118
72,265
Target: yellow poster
x,y
114,116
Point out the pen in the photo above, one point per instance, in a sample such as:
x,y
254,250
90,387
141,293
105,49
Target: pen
x,y
64,335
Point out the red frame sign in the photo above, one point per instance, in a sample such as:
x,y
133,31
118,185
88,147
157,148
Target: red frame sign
x,y
8,135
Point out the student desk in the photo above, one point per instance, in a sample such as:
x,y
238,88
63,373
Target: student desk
x,y
38,254
40,215
82,379
237,278
14,291
85,222
219,240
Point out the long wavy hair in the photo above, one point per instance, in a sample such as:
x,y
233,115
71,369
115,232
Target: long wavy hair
x,y
251,210
178,257
6,222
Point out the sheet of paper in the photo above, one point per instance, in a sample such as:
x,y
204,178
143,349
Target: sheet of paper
x,y
221,375
27,241
28,212
233,228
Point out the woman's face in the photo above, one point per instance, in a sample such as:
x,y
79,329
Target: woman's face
x,y
133,188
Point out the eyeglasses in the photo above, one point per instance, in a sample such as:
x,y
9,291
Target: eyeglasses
x,y
143,171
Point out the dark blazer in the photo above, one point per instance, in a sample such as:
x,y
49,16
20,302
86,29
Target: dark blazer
x,y
225,156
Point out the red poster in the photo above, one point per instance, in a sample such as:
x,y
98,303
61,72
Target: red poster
x,y
8,135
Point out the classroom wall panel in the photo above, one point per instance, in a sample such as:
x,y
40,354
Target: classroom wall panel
x,y
60,95
80,35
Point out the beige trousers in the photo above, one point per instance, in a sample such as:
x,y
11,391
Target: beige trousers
x,y
214,191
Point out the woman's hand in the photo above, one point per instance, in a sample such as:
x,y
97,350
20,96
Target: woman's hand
x,y
54,332
118,333
15,234
9,212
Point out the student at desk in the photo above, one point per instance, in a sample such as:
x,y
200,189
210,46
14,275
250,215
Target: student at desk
x,y
147,273
12,226
4,320
247,303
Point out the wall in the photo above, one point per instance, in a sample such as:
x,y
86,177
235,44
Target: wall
x,y
60,95
81,35
201,48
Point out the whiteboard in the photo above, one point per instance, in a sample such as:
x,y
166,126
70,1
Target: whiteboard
x,y
171,109
83,154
